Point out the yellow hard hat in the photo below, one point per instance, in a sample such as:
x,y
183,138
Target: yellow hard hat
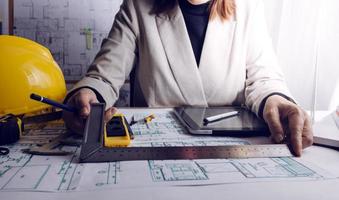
x,y
27,67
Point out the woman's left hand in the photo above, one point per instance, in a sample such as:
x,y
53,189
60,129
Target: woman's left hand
x,y
287,120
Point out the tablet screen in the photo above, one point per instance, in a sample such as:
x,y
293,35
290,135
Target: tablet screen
x,y
244,121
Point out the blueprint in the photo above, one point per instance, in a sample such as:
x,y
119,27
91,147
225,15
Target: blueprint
x,y
231,171
23,172
156,133
72,29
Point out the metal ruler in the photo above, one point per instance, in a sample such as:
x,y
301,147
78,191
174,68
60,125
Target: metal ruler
x,y
196,152
50,147
93,150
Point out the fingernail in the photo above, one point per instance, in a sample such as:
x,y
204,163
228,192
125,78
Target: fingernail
x,y
297,152
278,138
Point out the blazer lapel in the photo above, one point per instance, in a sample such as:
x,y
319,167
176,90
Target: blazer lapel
x,y
176,42
215,57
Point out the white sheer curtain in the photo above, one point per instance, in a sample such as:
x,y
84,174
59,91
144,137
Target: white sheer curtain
x,y
305,34
328,93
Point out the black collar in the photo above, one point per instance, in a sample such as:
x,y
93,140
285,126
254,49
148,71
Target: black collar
x,y
201,9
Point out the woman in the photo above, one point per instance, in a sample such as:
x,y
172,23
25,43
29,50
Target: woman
x,y
193,52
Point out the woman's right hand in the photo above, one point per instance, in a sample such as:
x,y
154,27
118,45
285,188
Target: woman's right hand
x,y
82,101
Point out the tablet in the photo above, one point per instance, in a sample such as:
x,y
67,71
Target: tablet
x,y
243,124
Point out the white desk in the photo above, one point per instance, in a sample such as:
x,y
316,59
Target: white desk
x,y
327,159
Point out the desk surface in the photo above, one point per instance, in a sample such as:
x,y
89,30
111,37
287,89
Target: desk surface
x,y
325,158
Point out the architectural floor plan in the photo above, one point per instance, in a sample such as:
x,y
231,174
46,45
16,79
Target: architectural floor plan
x,y
24,172
231,170
72,29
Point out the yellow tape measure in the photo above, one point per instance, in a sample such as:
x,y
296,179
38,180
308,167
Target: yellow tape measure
x,y
11,128
117,132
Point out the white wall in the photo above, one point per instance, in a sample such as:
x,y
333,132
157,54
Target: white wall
x,y
4,15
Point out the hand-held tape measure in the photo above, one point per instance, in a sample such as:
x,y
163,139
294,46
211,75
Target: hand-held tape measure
x,y
117,132
11,128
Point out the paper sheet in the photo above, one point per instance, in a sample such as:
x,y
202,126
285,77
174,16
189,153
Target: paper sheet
x,y
166,130
22,172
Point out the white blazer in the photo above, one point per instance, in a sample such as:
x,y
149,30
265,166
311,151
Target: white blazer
x,y
238,64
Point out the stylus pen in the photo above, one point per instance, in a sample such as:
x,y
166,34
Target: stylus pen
x,y
53,103
221,116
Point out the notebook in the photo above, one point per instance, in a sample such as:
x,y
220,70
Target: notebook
x,y
326,131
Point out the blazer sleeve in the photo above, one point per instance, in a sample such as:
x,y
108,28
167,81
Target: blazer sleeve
x,y
116,58
264,75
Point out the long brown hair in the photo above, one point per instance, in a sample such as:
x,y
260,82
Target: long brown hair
x,y
225,9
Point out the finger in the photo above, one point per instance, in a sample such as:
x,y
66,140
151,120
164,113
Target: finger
x,y
83,103
274,124
77,125
109,114
307,135
73,122
296,126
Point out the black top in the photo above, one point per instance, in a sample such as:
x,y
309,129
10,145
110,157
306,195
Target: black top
x,y
196,19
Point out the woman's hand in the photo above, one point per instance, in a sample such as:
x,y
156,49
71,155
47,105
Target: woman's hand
x,y
82,101
287,120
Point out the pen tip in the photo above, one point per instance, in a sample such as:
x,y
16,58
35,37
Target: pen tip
x,y
34,96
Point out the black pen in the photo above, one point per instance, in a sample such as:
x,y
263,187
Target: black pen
x,y
53,103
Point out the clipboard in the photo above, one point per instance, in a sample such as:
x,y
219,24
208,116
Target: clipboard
x,y
245,124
